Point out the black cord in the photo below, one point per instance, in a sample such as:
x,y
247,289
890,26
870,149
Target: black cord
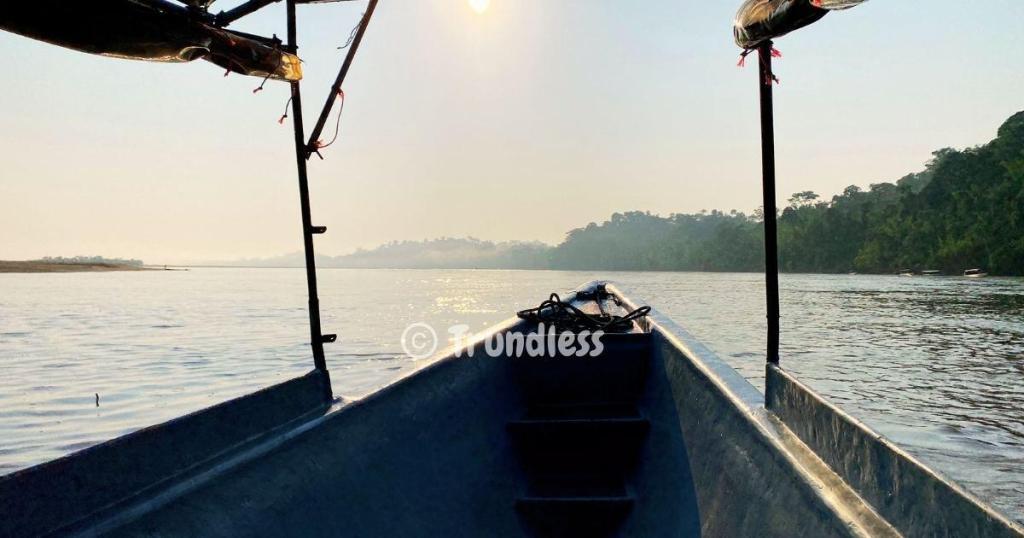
x,y
285,115
280,62
566,317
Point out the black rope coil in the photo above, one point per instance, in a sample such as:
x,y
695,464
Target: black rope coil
x,y
566,317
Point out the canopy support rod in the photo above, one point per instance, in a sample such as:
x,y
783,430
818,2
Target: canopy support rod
x,y
225,18
316,337
766,80
336,88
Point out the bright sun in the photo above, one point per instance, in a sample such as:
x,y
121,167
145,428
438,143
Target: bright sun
x,y
479,5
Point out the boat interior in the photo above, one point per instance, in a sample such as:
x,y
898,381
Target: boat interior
x,y
653,436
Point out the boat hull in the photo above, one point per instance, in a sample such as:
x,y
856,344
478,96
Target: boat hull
x,y
455,448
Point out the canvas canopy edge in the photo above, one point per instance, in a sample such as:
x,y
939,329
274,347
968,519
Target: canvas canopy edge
x,y
152,30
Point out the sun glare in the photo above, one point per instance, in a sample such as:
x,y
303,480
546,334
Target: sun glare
x,y
479,5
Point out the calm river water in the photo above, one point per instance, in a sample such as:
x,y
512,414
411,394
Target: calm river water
x,y
936,364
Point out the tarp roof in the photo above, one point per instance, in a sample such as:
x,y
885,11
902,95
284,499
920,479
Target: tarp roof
x,y
761,20
155,30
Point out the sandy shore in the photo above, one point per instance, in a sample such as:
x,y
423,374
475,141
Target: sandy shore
x,y
45,267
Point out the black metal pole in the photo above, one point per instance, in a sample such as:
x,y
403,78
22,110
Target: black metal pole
x,y
771,248
322,120
225,18
317,338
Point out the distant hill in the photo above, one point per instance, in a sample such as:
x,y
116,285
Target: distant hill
x,y
443,253
448,253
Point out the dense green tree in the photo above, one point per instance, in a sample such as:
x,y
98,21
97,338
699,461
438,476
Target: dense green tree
x,y
964,210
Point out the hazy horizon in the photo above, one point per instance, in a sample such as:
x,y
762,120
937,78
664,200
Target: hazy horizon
x,y
518,123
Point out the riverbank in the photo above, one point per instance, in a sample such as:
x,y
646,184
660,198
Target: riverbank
x,y
52,267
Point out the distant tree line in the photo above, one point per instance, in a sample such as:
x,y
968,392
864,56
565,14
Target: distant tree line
x,y
89,260
964,210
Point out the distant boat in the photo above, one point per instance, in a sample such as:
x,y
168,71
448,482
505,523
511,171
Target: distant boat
x,y
975,273
907,272
931,272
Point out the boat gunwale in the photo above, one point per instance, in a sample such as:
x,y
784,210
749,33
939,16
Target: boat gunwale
x,y
128,493
775,427
776,407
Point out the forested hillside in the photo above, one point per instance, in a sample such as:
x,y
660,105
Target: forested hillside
x,y
965,210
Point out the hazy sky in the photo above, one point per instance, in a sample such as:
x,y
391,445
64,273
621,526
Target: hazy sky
x,y
522,122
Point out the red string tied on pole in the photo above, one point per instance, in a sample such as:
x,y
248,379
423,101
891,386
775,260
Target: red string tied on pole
x,y
770,77
743,58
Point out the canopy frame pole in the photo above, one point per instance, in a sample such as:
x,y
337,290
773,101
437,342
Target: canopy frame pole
x,y
316,336
224,18
766,79
314,136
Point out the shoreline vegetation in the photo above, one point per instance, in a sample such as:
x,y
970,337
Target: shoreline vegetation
x,y
77,264
965,210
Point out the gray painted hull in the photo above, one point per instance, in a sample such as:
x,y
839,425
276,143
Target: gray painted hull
x,y
437,453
